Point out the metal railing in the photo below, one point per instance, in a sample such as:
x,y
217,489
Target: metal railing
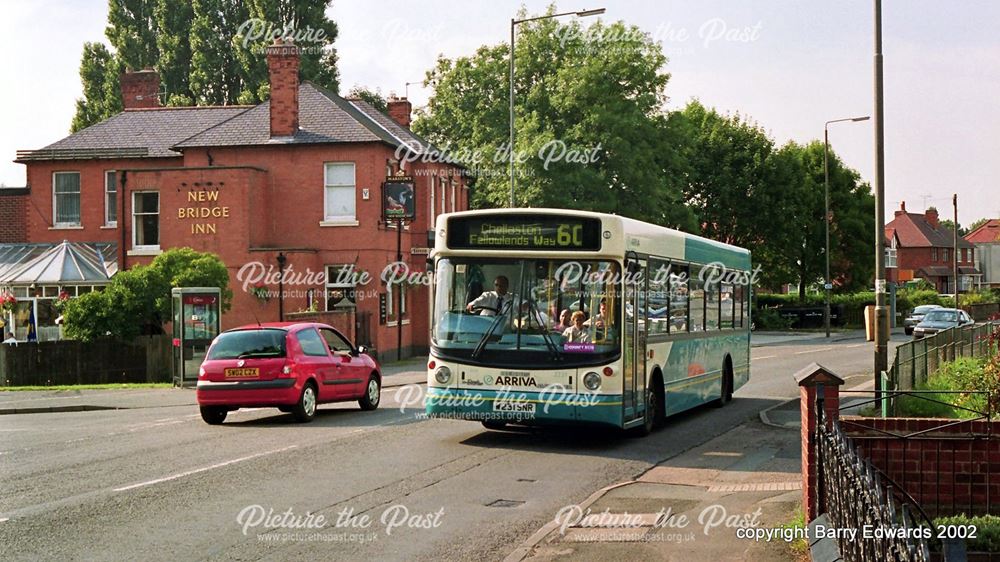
x,y
855,495
918,360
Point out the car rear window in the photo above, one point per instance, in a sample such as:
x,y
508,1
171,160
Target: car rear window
x,y
248,343
941,316
924,308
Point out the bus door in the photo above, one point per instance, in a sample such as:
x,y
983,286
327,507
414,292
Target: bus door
x,y
634,341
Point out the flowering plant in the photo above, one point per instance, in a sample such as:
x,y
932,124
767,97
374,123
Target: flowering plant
x,y
259,290
61,301
7,303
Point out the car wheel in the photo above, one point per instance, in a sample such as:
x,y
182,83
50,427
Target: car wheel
x,y
908,331
213,415
495,425
373,394
305,410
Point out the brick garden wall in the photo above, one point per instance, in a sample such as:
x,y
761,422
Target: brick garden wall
x,y
948,470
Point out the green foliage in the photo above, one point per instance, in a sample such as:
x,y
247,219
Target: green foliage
x,y
770,319
137,300
197,48
964,374
598,93
101,95
373,97
987,531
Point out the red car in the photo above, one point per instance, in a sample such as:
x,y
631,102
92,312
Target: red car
x,y
289,365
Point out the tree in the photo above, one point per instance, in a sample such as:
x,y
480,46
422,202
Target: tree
x,y
373,97
950,225
132,30
976,224
137,301
101,95
590,126
216,77
173,20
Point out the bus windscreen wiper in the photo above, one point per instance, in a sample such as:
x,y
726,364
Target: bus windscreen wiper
x,y
534,312
493,326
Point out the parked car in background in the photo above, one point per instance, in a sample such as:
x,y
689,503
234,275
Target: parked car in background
x,y
916,316
941,319
291,366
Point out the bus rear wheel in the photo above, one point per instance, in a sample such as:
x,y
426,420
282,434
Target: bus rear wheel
x,y
726,393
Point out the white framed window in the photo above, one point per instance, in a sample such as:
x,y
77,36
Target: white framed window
x,y
390,308
340,287
146,220
339,198
66,198
433,214
110,198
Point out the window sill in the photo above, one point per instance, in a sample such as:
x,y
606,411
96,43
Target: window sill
x,y
144,252
109,227
393,323
338,223
67,227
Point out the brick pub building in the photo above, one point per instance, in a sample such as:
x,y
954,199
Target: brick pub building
x,y
298,176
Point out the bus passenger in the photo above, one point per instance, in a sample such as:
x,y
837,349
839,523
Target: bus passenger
x,y
577,333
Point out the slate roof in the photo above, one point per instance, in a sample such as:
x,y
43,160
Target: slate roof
x,y
913,231
324,117
987,232
136,133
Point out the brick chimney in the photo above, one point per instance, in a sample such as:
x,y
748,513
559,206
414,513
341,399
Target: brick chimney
x,y
931,215
902,208
283,73
141,89
399,109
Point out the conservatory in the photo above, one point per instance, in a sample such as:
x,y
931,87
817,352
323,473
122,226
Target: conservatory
x,y
36,279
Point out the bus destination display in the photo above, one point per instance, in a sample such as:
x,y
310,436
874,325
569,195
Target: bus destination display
x,y
525,232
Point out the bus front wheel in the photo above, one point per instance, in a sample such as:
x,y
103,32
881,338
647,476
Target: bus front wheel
x,y
649,415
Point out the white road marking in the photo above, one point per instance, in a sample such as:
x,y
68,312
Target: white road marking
x,y
4,519
764,357
856,345
202,469
813,350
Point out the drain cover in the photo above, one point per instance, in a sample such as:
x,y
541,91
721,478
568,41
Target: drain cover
x,y
504,503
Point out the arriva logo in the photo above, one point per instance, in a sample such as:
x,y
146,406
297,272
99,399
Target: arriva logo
x,y
504,380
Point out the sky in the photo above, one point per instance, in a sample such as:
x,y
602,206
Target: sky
x,y
789,65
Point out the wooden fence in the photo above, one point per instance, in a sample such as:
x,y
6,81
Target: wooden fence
x,y
145,359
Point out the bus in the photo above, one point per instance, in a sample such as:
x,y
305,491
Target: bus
x,y
551,316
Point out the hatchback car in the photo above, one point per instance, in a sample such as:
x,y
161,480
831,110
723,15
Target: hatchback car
x,y
916,316
290,366
941,319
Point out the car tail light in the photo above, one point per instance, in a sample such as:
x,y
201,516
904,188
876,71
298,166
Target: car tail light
x,y
286,370
201,372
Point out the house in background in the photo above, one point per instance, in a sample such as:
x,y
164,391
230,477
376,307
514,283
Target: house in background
x,y
293,183
924,250
986,240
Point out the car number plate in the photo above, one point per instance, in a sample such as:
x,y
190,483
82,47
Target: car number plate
x,y
516,406
243,372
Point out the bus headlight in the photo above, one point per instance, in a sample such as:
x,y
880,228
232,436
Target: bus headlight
x,y
443,375
592,381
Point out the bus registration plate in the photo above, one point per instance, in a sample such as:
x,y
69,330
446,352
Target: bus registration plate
x,y
515,406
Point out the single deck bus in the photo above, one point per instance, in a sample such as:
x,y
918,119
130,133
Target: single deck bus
x,y
560,316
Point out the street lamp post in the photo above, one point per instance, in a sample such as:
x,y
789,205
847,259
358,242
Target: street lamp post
x,y
826,183
513,23
881,314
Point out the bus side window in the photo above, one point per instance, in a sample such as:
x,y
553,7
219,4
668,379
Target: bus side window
x,y
658,301
726,306
711,299
696,298
678,298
